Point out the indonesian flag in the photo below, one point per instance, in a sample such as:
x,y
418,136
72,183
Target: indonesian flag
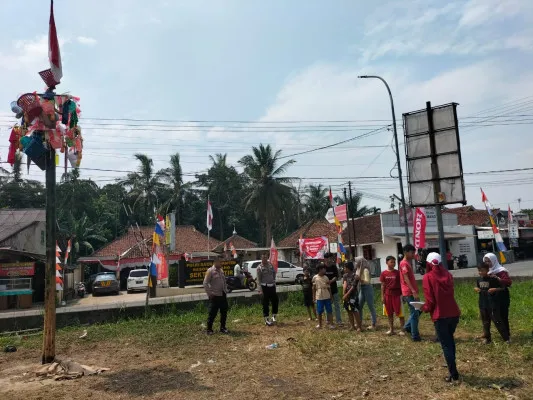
x,y
53,47
233,250
273,255
225,247
509,214
333,205
209,222
68,250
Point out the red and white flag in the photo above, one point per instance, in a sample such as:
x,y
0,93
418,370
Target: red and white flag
x,y
509,214
273,255
67,253
419,228
233,250
53,47
209,221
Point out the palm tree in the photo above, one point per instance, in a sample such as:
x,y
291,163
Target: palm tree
x,y
174,177
82,232
145,187
268,192
317,201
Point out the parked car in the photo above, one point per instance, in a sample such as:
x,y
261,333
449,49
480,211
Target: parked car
x,y
90,281
106,284
287,272
137,280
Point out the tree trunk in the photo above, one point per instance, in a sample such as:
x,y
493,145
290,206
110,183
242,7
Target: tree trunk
x,y
268,230
221,228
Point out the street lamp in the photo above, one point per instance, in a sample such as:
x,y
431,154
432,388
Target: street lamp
x,y
397,152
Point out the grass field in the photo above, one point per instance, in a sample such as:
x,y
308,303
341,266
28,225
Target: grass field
x,y
168,357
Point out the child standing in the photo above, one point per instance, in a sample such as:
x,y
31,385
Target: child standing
x,y
351,298
489,289
307,288
322,296
391,293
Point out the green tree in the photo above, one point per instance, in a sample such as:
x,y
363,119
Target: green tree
x,y
83,233
268,193
316,202
355,206
144,189
173,175
17,192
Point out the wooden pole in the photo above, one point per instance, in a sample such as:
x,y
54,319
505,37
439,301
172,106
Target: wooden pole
x,y
49,331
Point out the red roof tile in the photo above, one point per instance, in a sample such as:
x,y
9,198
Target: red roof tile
x,y
468,215
239,243
367,231
188,240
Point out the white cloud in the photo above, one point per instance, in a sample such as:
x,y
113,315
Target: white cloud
x,y
88,41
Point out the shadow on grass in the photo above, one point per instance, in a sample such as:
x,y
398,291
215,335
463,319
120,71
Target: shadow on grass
x,y
149,381
500,383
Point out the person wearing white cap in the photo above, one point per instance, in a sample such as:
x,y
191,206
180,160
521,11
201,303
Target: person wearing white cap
x,y
444,311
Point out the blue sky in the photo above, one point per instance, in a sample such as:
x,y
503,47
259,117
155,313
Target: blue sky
x,y
283,61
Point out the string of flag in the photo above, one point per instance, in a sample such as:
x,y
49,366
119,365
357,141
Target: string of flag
x,y
497,235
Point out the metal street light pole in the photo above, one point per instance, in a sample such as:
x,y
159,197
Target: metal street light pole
x,y
397,152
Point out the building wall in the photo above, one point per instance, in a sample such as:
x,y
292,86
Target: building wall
x,y
31,239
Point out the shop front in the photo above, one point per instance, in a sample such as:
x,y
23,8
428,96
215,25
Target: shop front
x,y
16,285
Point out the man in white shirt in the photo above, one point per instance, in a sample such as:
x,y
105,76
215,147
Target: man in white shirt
x,y
237,271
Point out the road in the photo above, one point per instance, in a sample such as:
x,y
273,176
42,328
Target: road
x,y
524,268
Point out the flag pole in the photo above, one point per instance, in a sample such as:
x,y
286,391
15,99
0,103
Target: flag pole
x,y
208,232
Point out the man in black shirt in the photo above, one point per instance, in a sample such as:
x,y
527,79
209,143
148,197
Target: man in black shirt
x,y
489,289
332,273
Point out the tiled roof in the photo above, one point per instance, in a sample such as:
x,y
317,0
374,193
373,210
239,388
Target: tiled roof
x,y
13,221
468,215
188,240
239,243
367,230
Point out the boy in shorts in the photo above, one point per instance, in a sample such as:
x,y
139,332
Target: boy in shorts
x,y
391,294
322,296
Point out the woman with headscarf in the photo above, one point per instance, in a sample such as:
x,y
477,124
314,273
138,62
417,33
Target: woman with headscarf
x,y
366,291
498,271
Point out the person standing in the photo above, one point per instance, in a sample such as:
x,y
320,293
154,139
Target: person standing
x,y
266,281
307,289
215,287
441,305
366,290
489,289
237,272
498,271
350,282
410,291
332,272
322,296
391,294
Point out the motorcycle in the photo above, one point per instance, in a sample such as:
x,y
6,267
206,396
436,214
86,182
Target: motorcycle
x,y
421,267
235,283
462,261
80,289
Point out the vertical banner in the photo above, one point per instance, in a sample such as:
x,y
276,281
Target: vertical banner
x,y
168,230
419,228
273,255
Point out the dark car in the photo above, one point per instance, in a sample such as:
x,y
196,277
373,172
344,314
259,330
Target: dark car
x,y
105,284
89,282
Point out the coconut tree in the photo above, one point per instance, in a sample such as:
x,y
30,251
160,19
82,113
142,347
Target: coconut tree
x,y
173,176
145,188
268,192
83,233
316,201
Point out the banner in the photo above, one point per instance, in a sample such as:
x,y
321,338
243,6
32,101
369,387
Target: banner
x,y
314,248
17,269
340,213
195,270
419,228
274,255
431,216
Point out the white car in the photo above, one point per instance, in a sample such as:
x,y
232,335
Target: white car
x,y
137,280
287,272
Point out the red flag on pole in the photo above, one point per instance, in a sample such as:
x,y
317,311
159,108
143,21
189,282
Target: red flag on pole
x,y
274,255
209,221
53,48
419,228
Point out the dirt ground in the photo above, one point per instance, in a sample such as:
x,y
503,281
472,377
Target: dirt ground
x,y
308,364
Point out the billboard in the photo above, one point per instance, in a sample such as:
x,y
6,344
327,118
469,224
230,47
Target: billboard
x,y
195,270
340,212
432,140
314,248
17,269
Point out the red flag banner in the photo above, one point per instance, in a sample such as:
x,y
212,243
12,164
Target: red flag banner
x,y
274,255
419,228
53,47
314,248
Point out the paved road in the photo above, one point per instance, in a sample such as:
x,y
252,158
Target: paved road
x,y
89,303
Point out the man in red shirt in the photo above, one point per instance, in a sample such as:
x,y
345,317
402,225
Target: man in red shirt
x,y
441,304
410,291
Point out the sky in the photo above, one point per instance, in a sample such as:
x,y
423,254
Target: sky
x,y
204,77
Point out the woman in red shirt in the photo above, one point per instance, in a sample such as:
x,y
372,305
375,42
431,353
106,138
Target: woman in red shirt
x,y
444,311
498,271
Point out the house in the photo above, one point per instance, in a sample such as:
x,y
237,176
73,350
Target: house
x,y
380,235
22,257
133,250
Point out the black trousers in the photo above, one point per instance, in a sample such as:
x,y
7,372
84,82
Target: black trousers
x,y
489,315
445,328
269,297
217,303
